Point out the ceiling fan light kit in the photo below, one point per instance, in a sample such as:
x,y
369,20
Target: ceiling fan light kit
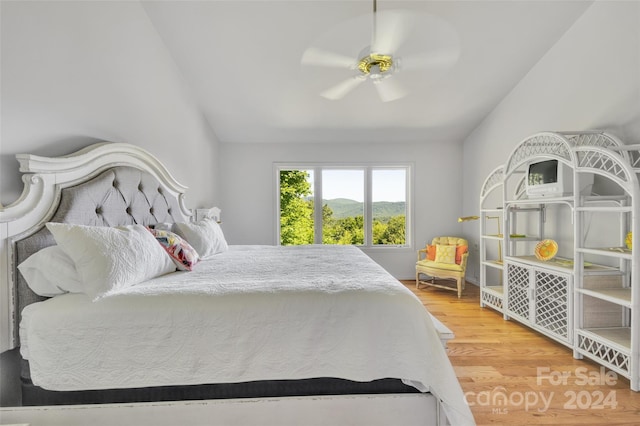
x,y
375,65
380,61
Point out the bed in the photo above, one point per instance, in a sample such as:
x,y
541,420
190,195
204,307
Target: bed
x,y
256,322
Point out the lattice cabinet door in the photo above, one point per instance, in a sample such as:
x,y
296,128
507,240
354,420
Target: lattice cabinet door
x,y
552,293
518,292
540,298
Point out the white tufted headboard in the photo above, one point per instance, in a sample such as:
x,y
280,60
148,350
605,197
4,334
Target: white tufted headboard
x,y
106,184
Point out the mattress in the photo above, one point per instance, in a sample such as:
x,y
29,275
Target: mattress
x,y
252,313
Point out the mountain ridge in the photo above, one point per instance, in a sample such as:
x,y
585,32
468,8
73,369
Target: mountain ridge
x,y
344,207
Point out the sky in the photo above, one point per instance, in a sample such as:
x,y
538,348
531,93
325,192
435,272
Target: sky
x,y
388,185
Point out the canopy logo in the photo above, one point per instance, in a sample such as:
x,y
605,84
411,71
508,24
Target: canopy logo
x,y
500,400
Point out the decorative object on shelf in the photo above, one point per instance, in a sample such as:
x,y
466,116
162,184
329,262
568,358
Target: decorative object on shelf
x,y
546,249
628,240
468,218
618,249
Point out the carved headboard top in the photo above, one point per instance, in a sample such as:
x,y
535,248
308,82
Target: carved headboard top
x,y
106,184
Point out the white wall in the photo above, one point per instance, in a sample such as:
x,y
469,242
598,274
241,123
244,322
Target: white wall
x,y
77,72
249,191
589,80
74,73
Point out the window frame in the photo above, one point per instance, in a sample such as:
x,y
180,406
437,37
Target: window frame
x,y
368,169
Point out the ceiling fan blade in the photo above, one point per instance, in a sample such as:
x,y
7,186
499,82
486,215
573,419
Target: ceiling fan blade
x,y
341,89
391,29
389,89
315,56
441,58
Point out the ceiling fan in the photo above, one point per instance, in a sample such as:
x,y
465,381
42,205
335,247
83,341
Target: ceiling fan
x,y
381,61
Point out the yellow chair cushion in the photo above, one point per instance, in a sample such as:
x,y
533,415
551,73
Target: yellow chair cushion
x,y
436,265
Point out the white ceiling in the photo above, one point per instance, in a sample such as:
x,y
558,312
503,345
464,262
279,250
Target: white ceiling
x,y
242,60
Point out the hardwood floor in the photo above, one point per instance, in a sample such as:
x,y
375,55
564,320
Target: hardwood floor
x,y
513,375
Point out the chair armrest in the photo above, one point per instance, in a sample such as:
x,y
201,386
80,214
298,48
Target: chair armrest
x,y
464,261
424,250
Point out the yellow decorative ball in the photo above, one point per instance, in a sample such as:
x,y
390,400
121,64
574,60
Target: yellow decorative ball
x,y
628,240
546,250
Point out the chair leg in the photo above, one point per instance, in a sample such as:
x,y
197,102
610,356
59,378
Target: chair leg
x,y
460,287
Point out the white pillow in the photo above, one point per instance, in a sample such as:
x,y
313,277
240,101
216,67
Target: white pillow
x,y
205,236
110,259
162,226
50,272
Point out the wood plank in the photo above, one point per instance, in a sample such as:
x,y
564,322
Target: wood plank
x,y
513,375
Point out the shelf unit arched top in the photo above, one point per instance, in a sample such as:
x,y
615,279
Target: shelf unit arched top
x,y
493,181
552,145
607,163
593,138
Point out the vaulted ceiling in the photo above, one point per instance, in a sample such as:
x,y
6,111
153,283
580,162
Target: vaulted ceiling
x,y
242,60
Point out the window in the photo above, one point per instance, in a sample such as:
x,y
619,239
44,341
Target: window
x,y
363,205
388,195
296,207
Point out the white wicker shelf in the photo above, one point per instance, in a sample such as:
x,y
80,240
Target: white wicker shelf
x,y
604,198
493,264
619,296
527,238
562,264
618,337
529,201
517,209
619,252
584,305
513,239
497,289
492,296
493,237
605,209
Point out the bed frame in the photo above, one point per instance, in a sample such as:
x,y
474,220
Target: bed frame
x,y
111,184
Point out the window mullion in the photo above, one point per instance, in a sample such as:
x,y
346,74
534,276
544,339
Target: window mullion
x,y
317,205
368,210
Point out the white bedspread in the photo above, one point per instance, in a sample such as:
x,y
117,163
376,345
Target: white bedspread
x,y
252,313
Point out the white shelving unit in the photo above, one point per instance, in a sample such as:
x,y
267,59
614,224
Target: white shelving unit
x,y
491,284
587,297
607,310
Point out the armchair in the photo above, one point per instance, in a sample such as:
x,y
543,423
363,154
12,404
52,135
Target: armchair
x,y
446,258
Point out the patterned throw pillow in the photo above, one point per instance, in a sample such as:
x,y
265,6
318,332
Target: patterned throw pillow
x,y
431,252
183,255
445,254
205,236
